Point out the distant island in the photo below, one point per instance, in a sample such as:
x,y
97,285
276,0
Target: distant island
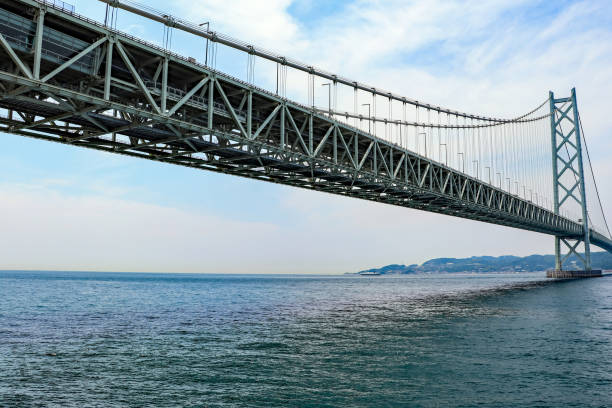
x,y
487,264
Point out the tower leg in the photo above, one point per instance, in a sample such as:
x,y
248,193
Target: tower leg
x,y
558,264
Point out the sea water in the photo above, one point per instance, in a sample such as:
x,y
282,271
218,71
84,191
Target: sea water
x,y
166,340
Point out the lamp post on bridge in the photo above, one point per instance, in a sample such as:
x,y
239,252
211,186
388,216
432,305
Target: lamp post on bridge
x,y
489,168
462,161
207,24
369,118
477,168
424,139
328,85
445,151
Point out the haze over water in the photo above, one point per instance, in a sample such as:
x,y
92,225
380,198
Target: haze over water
x,y
103,339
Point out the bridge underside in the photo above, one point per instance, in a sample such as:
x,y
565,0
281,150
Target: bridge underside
x,y
72,81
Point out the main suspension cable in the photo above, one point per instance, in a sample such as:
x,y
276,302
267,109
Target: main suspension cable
x,y
593,176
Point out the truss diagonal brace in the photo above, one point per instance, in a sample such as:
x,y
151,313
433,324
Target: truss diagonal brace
x,y
137,77
74,59
270,118
15,58
188,96
231,109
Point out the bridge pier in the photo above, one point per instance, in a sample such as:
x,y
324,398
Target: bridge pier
x,y
561,274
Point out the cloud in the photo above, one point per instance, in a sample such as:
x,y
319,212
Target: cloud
x,y
497,58
52,230
260,22
491,57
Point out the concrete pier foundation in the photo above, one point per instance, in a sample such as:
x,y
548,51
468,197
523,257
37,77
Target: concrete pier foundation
x,y
557,274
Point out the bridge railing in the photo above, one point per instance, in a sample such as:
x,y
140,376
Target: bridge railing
x,y
59,4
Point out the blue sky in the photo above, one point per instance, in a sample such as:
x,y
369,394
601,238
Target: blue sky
x,y
70,208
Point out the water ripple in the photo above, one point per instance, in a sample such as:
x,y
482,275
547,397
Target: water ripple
x,y
74,340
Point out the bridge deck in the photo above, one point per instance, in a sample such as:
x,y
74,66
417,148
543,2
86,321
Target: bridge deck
x,y
101,89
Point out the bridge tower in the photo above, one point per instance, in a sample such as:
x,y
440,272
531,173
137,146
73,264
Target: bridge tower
x,y
568,183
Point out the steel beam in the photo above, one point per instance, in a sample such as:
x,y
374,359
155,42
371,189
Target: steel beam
x,y
40,23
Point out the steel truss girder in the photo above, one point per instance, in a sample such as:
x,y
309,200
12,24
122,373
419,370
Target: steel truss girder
x,y
201,118
419,175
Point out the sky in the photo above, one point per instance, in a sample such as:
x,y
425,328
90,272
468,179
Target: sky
x,y
66,208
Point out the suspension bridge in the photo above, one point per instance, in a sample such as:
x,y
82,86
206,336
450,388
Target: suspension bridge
x,y
69,79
